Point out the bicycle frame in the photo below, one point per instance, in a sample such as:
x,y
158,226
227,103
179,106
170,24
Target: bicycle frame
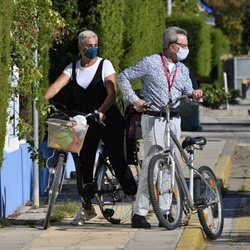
x,y
188,191
169,151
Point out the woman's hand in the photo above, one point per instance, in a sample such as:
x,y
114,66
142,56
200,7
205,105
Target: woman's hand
x,y
101,116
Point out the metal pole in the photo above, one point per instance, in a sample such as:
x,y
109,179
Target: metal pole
x,y
225,87
35,133
169,7
35,162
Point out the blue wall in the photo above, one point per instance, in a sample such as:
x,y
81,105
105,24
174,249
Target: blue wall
x,y
16,178
43,174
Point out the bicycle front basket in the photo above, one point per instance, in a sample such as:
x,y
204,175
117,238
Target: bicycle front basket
x,y
66,135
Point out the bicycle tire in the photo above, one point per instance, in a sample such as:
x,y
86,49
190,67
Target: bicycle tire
x,y
115,205
209,203
55,189
160,191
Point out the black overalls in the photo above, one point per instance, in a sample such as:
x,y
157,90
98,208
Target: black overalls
x,y
88,100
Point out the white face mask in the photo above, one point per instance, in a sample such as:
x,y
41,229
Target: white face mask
x,y
182,54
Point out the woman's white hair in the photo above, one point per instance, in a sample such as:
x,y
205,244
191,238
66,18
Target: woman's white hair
x,y
85,35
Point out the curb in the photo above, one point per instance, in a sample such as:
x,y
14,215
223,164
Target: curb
x,y
193,237
223,167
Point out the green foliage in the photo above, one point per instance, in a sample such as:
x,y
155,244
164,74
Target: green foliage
x,y
109,26
4,222
6,17
220,46
184,8
229,16
142,36
214,95
199,59
63,210
34,28
64,49
107,21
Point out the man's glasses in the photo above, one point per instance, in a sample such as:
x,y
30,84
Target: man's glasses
x,y
184,46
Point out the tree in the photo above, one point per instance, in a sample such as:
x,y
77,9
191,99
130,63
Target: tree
x,y
229,16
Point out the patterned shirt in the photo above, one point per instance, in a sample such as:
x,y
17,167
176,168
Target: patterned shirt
x,y
154,81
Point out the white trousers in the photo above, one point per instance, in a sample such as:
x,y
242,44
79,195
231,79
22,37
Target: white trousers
x,y
153,129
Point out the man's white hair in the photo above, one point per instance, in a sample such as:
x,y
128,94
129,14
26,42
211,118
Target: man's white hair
x,y
170,35
85,35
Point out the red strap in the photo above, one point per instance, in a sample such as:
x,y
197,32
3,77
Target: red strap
x,y
167,73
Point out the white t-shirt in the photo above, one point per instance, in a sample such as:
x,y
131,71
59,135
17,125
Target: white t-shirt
x,y
84,75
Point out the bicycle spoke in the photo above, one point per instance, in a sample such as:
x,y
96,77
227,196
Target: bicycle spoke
x,y
166,200
209,201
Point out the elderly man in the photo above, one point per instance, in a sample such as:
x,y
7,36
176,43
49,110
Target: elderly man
x,y
164,78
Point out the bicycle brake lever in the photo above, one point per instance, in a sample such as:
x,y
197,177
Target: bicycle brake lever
x,y
147,105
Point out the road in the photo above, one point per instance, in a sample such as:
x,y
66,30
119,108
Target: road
x,y
236,233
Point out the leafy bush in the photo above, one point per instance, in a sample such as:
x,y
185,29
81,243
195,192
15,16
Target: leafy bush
x,y
214,95
220,46
6,18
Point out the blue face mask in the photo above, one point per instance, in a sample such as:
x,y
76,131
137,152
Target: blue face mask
x,y
91,53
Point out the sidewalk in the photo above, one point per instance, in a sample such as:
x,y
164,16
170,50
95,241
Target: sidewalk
x,y
99,234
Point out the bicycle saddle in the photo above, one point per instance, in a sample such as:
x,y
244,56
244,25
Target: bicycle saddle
x,y
189,141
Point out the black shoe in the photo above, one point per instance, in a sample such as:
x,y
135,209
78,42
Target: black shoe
x,y
168,217
139,221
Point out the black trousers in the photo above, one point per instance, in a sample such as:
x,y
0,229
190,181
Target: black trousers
x,y
112,135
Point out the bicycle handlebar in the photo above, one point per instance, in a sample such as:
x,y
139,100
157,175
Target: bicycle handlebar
x,y
171,102
58,113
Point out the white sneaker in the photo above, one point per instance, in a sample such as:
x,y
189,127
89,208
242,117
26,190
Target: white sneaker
x,y
84,215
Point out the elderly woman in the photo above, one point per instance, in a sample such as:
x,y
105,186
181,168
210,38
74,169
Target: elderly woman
x,y
93,79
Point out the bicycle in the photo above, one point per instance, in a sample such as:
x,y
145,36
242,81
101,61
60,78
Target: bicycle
x,y
171,194
66,136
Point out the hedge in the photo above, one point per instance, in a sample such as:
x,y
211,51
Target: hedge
x,y
6,18
220,46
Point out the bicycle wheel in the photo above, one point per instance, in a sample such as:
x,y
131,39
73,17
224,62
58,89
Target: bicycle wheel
x,y
167,200
208,199
115,205
54,189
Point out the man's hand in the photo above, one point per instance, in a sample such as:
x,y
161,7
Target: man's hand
x,y
138,106
197,94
